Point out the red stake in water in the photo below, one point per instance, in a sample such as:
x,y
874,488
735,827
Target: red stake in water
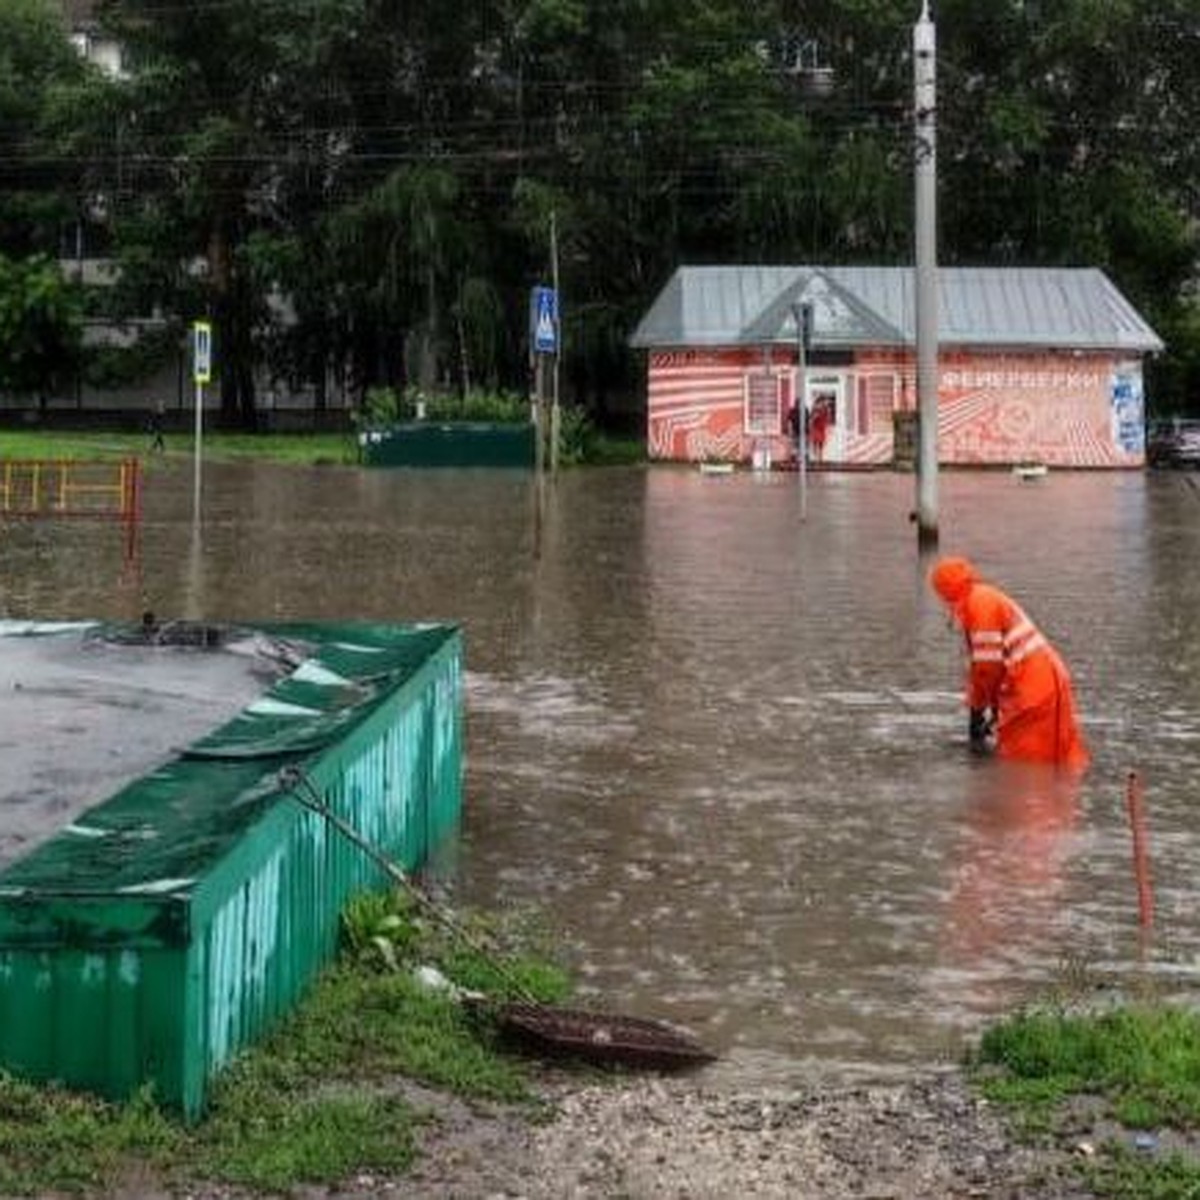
x,y
1141,858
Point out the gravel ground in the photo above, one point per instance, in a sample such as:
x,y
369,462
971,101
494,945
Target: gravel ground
x,y
654,1138
674,1138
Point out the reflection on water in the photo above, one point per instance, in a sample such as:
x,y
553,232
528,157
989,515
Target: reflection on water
x,y
1008,898
724,749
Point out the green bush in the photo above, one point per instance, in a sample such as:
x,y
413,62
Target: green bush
x,y
385,406
380,406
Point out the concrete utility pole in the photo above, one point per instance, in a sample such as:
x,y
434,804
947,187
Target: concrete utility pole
x,y
925,113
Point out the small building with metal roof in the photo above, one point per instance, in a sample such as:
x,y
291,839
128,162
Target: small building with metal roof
x,y
1035,365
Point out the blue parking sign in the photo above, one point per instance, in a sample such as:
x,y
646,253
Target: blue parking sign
x,y
543,316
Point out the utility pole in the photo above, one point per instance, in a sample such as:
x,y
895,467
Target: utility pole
x,y
926,281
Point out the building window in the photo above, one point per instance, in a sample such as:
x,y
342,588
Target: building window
x,y
876,403
764,403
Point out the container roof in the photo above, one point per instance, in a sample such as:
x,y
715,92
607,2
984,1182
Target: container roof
x,y
134,761
82,717
1034,307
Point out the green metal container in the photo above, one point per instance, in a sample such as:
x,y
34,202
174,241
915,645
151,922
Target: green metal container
x,y
175,922
450,444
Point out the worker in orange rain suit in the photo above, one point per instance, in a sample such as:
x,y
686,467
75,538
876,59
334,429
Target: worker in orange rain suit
x,y
1013,671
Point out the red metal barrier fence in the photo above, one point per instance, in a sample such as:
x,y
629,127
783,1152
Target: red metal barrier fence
x,y
74,488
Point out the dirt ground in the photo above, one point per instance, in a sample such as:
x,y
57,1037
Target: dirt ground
x,y
651,1138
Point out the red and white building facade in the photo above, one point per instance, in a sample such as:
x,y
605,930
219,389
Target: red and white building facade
x,y
1035,365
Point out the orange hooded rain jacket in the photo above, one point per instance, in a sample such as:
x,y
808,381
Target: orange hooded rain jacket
x,y
1013,670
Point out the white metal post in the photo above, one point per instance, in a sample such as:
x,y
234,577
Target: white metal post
x,y
555,411
199,438
201,373
926,283
801,409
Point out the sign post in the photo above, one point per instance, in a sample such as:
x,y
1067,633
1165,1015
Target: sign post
x,y
545,320
543,338
802,314
201,374
555,411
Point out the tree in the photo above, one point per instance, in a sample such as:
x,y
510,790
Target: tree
x,y
41,320
39,73
362,190
220,135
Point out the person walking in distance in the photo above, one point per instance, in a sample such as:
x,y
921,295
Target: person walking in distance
x,y
154,426
1018,687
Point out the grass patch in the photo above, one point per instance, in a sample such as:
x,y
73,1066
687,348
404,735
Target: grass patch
x,y
51,1138
1144,1061
1139,1066
261,1139
320,1100
1125,1174
303,449
364,1026
300,449
605,451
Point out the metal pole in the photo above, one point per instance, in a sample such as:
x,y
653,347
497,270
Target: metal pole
x,y
539,451
802,319
193,592
539,413
199,439
925,106
555,414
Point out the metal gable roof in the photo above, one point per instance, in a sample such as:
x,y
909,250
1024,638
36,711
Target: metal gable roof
x,y
844,320
1050,307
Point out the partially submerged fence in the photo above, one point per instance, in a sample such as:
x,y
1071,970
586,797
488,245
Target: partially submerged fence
x,y
74,488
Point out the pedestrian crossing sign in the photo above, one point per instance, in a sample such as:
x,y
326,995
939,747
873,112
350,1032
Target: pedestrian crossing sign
x,y
201,352
543,313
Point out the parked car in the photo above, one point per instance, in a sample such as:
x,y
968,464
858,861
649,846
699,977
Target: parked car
x,y
1174,442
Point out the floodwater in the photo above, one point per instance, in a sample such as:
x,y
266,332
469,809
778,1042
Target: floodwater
x,y
722,748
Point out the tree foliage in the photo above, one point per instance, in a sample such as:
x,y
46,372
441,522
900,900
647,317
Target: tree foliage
x,y
40,74
41,320
364,190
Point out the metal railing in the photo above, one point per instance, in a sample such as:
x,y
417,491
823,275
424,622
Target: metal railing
x,y
74,488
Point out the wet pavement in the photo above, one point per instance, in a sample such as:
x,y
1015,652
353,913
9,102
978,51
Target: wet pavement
x,y
723,748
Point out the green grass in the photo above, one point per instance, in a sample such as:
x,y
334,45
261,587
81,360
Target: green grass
x,y
307,449
301,449
320,1100
1138,1067
55,1139
1124,1174
605,451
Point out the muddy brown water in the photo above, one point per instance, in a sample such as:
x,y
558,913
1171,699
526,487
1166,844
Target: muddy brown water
x,y
723,748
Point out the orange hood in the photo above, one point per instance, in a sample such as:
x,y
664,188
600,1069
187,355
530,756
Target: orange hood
x,y
953,578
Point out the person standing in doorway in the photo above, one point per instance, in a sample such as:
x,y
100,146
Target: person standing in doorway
x,y
818,429
1018,687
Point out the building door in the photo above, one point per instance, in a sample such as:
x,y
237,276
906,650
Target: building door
x,y
825,398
